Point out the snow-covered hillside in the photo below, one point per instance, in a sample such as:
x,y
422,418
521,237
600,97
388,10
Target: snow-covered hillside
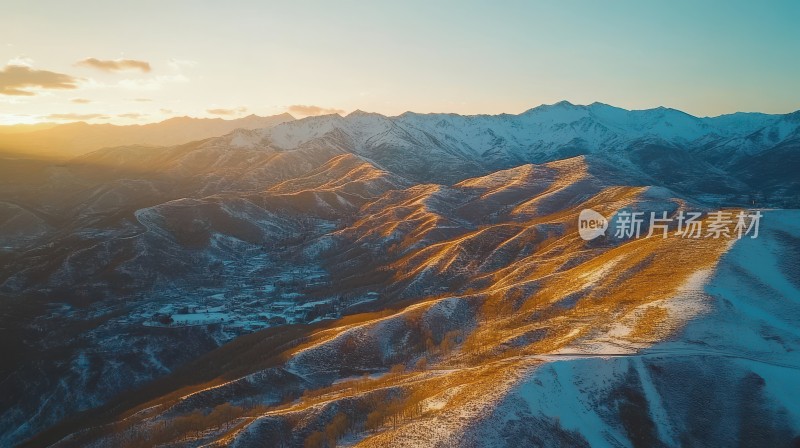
x,y
728,378
540,134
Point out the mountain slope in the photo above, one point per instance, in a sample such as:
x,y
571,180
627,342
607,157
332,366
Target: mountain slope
x,y
459,360
412,280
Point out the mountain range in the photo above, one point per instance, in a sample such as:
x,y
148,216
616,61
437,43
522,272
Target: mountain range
x,y
415,280
73,139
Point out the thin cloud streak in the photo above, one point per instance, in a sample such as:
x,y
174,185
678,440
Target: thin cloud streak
x,y
75,117
133,116
115,65
236,111
17,79
311,110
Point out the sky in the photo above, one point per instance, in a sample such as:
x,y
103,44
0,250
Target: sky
x,y
145,61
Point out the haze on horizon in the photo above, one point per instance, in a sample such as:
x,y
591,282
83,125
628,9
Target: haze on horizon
x,y
144,62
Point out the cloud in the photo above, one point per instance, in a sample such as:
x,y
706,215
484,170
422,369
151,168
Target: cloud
x,y
75,117
21,60
142,100
116,65
166,111
80,101
15,79
178,64
307,111
151,83
133,116
236,111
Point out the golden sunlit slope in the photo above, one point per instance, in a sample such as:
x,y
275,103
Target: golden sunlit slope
x,y
459,354
441,238
426,214
523,186
521,289
347,173
402,218
335,190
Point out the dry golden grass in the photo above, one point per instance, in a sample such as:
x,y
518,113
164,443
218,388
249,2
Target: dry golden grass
x,y
651,324
629,280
